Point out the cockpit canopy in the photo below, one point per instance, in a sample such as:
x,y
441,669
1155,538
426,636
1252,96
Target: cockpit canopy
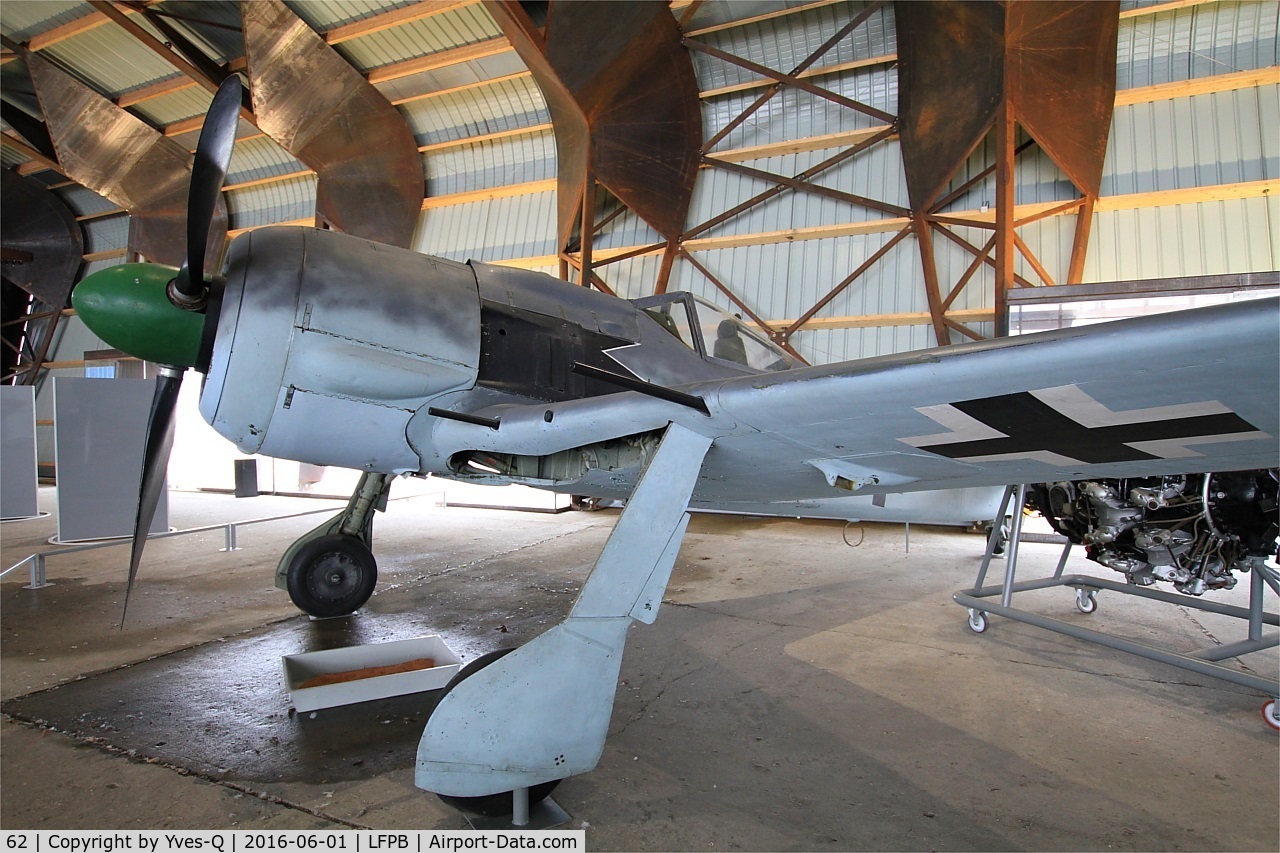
x,y
714,333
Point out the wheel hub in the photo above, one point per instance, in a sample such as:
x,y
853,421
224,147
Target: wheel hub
x,y
336,575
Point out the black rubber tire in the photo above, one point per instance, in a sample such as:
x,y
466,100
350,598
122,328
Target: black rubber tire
x,y
490,805
332,576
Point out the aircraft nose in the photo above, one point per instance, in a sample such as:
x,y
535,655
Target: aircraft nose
x,y
128,308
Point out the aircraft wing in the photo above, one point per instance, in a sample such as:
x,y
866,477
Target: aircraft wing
x,y
1173,393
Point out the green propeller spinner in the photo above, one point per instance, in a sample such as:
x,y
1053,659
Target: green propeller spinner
x,y
127,306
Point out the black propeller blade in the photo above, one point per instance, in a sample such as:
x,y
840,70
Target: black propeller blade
x,y
155,464
187,290
213,156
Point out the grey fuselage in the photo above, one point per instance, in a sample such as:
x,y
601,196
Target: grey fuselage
x,y
332,350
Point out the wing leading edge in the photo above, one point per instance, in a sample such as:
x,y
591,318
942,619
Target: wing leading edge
x,y
1174,393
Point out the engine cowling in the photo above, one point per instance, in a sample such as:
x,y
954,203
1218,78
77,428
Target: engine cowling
x,y
327,345
1193,531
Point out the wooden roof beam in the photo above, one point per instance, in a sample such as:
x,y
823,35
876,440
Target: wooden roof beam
x,y
822,71
407,14
26,150
156,90
1157,8
62,32
768,16
440,59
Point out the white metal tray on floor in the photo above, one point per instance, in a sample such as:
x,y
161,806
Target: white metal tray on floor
x,y
300,668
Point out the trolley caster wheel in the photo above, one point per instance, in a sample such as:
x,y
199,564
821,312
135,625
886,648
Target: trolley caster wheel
x,y
977,620
500,804
1086,600
1271,713
332,576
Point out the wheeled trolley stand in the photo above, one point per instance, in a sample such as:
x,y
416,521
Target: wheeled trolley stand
x,y
981,603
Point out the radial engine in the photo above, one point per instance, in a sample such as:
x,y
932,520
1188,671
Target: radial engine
x,y
1192,530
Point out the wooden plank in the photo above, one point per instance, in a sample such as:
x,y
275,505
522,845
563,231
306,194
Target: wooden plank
x,y
812,72
1199,86
155,90
797,146
533,263
870,321
1157,8
187,125
23,148
793,235
440,59
89,217
270,180
489,193
788,79
486,137
767,16
394,18
153,44
60,365
238,231
62,32
1189,195
107,255
453,90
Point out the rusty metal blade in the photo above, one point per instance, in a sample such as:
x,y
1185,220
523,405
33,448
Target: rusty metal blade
x,y
38,223
321,110
626,109
1060,69
950,81
120,157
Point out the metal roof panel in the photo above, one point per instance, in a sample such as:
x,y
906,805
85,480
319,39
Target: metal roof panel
x,y
22,19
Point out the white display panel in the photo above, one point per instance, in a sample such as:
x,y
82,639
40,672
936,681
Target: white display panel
x,y
19,487
100,430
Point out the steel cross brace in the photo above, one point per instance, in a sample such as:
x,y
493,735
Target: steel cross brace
x,y
542,712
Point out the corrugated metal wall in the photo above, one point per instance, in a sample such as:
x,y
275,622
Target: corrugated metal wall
x,y
1202,140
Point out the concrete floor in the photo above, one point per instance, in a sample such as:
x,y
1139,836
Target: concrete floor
x,y
796,692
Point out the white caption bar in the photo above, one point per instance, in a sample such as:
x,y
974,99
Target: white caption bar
x,y
246,841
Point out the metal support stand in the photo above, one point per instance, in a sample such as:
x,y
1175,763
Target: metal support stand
x,y
39,576
1087,587
231,539
542,815
520,807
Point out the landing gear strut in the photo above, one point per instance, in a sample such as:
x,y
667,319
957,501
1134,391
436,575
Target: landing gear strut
x,y
331,570
541,713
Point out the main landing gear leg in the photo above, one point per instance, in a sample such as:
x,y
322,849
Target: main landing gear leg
x,y
541,712
330,571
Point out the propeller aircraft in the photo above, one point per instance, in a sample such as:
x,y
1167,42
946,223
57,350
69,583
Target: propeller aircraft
x,y
325,348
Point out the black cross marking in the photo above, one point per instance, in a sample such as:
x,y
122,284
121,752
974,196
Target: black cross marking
x,y
1032,425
